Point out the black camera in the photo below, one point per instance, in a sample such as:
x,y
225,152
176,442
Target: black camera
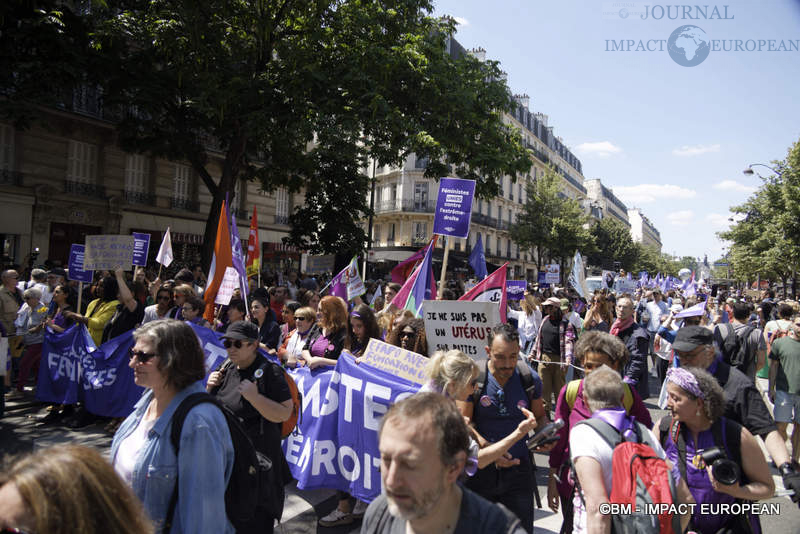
x,y
723,469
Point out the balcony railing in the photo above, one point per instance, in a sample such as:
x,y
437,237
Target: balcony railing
x,y
183,204
84,189
8,177
139,197
407,205
282,220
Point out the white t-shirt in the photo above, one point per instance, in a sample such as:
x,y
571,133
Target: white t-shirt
x,y
584,441
129,449
527,325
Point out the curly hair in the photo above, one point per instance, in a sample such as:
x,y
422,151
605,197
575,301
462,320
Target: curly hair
x,y
713,395
600,342
418,325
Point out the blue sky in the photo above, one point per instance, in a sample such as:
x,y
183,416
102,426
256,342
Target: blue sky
x,y
669,139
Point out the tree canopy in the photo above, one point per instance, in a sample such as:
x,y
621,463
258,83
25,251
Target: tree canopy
x,y
292,93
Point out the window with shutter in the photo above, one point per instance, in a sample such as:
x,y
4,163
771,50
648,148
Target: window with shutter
x,y
81,162
180,187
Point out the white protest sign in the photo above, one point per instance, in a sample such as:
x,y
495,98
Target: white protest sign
x,y
107,252
229,284
623,285
465,326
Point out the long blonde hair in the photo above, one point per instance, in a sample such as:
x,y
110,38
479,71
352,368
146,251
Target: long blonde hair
x,y
450,368
67,489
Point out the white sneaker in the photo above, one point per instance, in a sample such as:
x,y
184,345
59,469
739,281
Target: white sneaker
x,y
336,518
359,509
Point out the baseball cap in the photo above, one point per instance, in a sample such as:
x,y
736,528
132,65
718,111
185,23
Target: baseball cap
x,y
242,330
689,338
564,303
552,301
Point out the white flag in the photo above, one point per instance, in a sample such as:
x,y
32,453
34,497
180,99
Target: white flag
x,y
165,252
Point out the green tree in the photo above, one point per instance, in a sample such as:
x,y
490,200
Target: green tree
x,y
613,242
299,94
551,225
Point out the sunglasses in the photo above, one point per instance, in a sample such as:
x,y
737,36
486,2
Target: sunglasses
x,y
407,334
228,343
141,356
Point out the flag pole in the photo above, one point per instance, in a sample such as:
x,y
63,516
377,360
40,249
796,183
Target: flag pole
x,y
80,295
159,271
444,267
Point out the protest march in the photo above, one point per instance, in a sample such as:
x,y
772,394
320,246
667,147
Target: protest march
x,y
313,374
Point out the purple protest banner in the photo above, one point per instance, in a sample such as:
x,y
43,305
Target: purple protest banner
x,y
141,246
454,207
75,265
515,289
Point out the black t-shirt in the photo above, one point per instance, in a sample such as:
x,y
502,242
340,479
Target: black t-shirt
x,y
551,341
266,435
123,320
743,402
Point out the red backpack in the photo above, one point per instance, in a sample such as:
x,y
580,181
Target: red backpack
x,y
641,479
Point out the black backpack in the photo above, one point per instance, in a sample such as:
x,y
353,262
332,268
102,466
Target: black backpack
x,y
253,481
735,347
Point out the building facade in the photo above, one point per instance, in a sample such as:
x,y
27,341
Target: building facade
x,y
66,178
604,203
642,230
405,199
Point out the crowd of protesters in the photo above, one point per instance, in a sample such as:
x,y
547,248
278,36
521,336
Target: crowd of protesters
x,y
725,364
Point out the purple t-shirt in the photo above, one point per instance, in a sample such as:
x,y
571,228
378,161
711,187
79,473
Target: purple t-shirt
x,y
319,346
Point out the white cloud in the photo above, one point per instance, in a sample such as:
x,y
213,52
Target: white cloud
x,y
718,220
680,218
461,21
695,150
601,149
733,185
646,193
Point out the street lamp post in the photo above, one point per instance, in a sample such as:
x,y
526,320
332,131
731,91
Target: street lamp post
x,y
371,208
749,170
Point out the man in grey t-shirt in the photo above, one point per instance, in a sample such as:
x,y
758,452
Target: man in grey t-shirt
x,y
424,444
756,346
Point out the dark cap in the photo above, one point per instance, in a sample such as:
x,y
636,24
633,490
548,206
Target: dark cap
x,y
58,271
689,338
242,330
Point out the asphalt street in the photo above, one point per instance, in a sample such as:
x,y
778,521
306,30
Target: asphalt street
x,y
21,431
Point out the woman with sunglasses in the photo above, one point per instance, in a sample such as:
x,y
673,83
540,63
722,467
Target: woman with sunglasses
x,y
304,318
255,390
288,326
161,309
167,360
329,336
409,334
83,494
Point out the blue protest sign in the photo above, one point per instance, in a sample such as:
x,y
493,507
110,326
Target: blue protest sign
x,y
75,265
454,207
515,289
542,276
141,246
336,445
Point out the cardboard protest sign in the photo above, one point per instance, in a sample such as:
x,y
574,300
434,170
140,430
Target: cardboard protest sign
x,y
395,361
107,252
460,325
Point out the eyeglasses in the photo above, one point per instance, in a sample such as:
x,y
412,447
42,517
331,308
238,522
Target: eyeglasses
x,y
228,343
141,356
501,402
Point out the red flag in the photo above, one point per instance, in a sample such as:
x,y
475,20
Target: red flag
x,y
223,258
403,270
491,289
253,249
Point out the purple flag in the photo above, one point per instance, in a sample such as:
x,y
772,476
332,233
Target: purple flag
x,y
238,257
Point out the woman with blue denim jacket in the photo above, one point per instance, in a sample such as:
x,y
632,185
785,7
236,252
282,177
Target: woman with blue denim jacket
x,y
168,361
